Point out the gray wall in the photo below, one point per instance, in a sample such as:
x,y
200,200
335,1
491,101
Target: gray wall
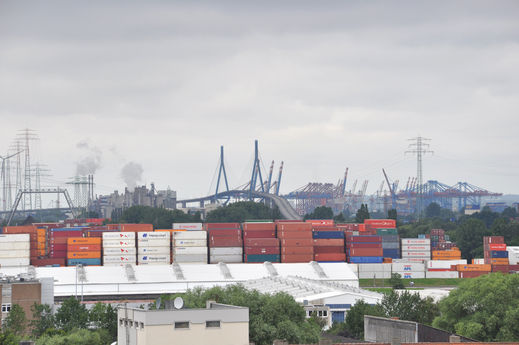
x,y
383,330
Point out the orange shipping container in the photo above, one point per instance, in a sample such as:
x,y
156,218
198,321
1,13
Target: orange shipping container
x,y
25,229
84,240
295,234
499,261
83,255
294,227
297,250
479,268
84,247
329,242
287,258
303,242
136,227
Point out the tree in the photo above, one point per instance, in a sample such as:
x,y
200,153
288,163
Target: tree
x,y
321,212
396,281
392,214
409,306
161,218
16,322
71,314
469,237
77,337
104,316
42,319
484,308
509,212
362,214
354,321
432,210
339,218
8,338
241,211
271,317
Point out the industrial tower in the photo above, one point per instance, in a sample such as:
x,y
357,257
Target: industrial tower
x,y
420,148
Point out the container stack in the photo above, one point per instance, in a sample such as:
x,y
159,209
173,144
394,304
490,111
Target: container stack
x,y
496,254
153,248
473,271
328,244
409,270
443,268
390,242
225,242
365,249
296,242
377,271
513,255
58,241
416,249
15,250
41,242
83,251
260,243
119,248
448,254
190,246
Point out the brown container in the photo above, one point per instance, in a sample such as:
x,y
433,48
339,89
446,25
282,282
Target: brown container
x,y
210,226
297,242
322,242
225,242
366,239
294,227
501,268
58,240
259,226
259,234
364,245
225,232
48,262
25,229
473,268
136,227
493,239
472,274
297,250
330,257
295,234
262,250
261,242
366,252
292,258
328,249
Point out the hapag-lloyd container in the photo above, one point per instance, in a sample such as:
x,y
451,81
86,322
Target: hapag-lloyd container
x,y
118,243
120,251
416,254
144,259
381,223
190,235
154,242
190,243
153,250
118,235
416,241
189,251
142,236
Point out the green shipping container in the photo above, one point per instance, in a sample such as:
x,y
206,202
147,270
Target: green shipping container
x,y
382,232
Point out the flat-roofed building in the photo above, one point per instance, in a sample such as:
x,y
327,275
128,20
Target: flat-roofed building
x,y
217,324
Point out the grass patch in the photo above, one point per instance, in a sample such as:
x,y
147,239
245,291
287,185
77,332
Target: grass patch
x,y
387,289
431,282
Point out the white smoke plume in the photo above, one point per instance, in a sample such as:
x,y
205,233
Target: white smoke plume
x,y
131,174
91,161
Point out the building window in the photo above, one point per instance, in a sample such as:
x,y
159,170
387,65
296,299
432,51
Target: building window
x,y
325,313
212,324
320,313
181,325
142,325
136,324
121,322
6,308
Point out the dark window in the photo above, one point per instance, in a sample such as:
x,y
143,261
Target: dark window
x,y
210,324
181,324
325,313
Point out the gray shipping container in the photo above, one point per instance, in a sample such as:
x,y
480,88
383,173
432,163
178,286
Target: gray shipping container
x,y
214,259
390,238
180,258
390,245
226,251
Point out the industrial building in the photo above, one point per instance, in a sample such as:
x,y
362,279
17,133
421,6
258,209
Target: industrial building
x,y
217,324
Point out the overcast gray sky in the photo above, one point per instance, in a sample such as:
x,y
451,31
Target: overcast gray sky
x,y
323,85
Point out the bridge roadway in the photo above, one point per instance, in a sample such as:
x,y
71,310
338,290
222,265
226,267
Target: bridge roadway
x,y
286,210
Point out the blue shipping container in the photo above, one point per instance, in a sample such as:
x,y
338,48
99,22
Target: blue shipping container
x,y
366,259
499,254
327,234
390,245
263,257
85,262
391,253
390,238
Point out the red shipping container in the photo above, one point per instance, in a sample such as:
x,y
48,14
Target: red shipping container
x,y
293,258
348,226
261,242
34,253
259,234
493,239
58,240
294,227
472,274
329,242
514,268
287,221
320,222
58,254
48,262
297,242
262,250
84,247
210,226
330,257
366,252
364,245
23,229
225,232
295,234
366,239
297,250
225,242
67,233
259,226
501,268
381,223
58,247
362,227
328,249
496,247
136,227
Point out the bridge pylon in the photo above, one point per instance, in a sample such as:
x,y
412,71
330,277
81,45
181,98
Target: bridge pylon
x,y
256,173
222,173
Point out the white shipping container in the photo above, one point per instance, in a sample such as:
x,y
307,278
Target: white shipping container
x,y
119,258
408,267
14,262
118,235
122,264
416,248
153,242
412,275
15,253
513,255
118,243
226,251
414,241
441,274
376,275
153,258
188,226
189,250
15,238
154,263
191,258
214,259
426,255
190,235
481,261
446,263
153,235
15,245
120,251
374,268
190,243
408,260
153,250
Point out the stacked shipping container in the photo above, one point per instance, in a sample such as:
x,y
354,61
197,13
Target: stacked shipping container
x,y
328,244
119,248
296,242
416,249
496,253
225,242
365,249
390,243
15,250
153,248
260,243
83,251
190,246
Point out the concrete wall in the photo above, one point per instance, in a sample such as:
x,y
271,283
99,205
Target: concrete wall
x,y
383,330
